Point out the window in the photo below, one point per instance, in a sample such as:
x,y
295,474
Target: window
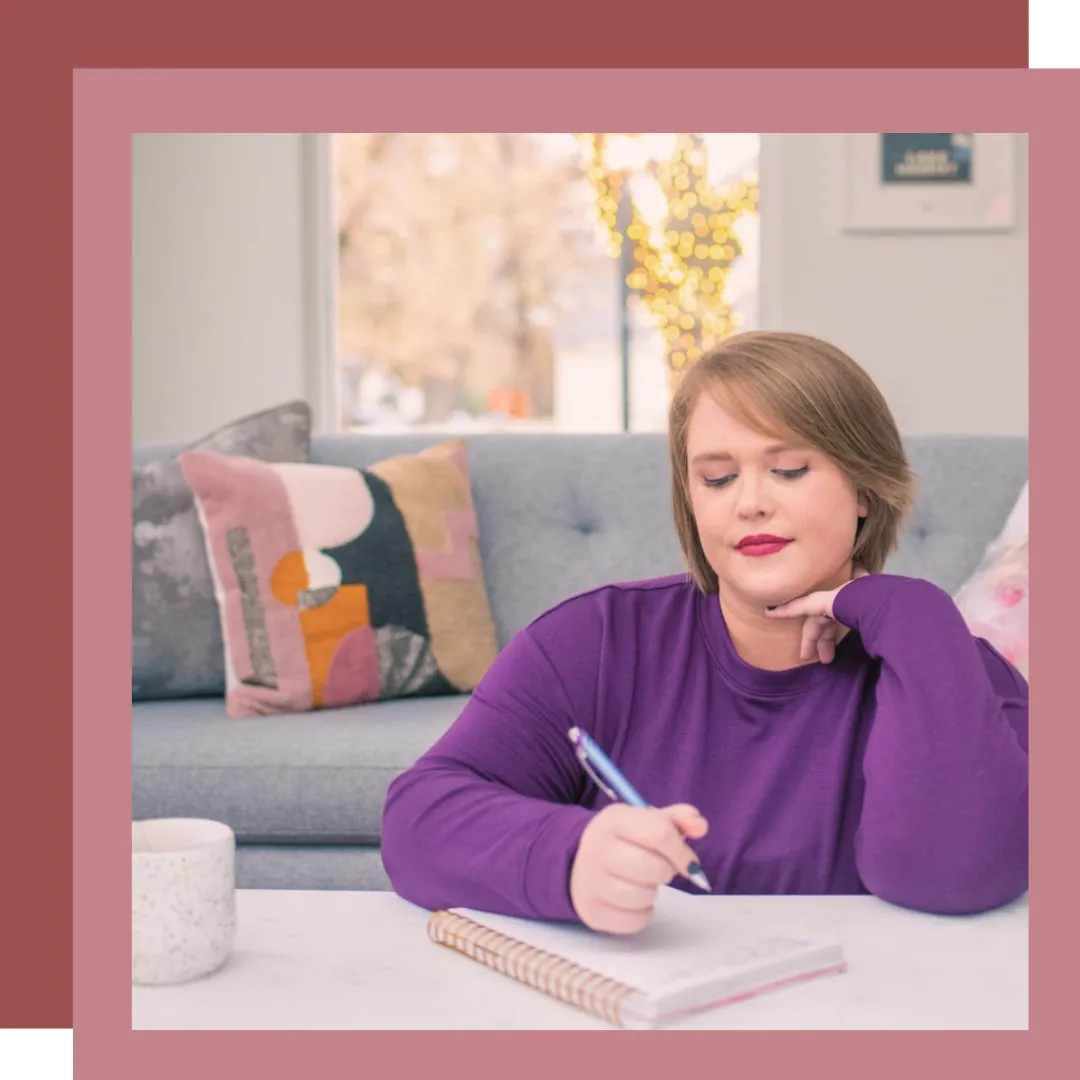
x,y
522,281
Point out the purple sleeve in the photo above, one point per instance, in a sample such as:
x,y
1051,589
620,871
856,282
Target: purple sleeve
x,y
488,817
944,825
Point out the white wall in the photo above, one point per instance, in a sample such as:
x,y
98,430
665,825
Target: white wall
x,y
223,307
938,320
218,293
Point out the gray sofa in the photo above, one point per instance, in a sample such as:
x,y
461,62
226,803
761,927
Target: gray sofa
x,y
558,514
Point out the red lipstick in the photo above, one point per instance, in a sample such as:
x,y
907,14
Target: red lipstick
x,y
761,544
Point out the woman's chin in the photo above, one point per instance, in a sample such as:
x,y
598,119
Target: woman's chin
x,y
759,594
766,587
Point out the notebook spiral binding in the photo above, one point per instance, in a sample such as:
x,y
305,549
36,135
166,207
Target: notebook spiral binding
x,y
579,986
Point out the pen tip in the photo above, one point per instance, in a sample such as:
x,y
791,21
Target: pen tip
x,y
697,876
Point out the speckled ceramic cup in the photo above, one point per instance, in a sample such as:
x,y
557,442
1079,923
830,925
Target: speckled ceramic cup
x,y
183,899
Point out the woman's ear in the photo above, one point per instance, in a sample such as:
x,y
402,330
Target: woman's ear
x,y
864,508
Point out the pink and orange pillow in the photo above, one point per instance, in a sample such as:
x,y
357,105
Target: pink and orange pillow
x,y
338,586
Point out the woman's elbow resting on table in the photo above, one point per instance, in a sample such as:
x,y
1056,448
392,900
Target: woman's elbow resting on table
x,y
952,885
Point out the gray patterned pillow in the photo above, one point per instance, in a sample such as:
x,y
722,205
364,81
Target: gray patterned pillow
x,y
177,649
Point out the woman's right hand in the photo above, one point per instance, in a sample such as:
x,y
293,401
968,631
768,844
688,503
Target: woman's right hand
x,y
624,856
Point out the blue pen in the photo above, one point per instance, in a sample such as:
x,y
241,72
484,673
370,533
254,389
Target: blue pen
x,y
613,784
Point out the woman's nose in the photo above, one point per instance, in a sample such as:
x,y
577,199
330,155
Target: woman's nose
x,y
750,498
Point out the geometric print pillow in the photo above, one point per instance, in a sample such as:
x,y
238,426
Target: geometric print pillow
x,y
338,586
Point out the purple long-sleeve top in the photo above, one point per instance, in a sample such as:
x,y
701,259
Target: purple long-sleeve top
x,y
900,769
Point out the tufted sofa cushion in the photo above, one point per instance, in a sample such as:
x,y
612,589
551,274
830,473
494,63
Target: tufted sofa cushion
x,y
967,487
560,514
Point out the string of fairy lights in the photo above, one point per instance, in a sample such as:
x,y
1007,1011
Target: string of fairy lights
x,y
682,256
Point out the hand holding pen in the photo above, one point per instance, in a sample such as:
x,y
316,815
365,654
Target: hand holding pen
x,y
628,850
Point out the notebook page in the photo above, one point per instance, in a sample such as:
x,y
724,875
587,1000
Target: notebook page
x,y
683,946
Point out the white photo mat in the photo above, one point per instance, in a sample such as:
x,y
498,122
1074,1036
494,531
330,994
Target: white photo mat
x,y
987,204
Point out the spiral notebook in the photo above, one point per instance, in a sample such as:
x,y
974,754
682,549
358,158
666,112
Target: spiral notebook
x,y
690,958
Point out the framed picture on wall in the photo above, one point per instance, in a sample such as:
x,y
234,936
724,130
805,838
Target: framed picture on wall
x,y
930,182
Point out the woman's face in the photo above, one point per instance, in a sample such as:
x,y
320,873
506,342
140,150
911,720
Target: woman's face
x,y
776,518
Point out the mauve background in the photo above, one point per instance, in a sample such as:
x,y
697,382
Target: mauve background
x,y
36,792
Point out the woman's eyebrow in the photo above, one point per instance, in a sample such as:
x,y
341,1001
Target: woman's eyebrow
x,y
725,455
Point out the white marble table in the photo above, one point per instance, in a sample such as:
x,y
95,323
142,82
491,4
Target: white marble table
x,y
331,960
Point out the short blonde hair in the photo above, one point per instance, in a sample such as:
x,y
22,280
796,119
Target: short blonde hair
x,y
775,381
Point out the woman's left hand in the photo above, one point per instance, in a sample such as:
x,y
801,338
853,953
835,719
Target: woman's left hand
x,y
821,632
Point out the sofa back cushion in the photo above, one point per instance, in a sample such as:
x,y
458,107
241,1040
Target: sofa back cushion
x,y
559,514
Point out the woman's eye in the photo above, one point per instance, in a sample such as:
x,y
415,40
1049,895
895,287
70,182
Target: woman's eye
x,y
786,474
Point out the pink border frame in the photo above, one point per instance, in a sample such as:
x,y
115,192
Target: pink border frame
x,y
110,105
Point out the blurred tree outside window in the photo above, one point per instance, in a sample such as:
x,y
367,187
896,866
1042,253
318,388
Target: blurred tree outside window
x,y
506,281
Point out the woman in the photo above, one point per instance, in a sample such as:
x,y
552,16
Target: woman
x,y
803,722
